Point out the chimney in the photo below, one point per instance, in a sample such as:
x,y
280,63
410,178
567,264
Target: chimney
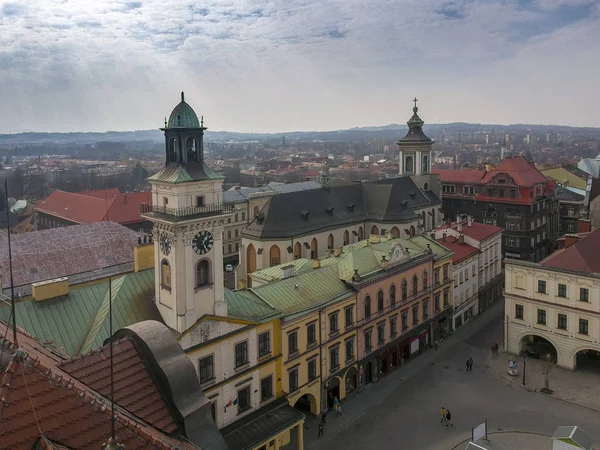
x,y
444,236
459,227
316,264
571,239
461,239
287,272
584,226
469,221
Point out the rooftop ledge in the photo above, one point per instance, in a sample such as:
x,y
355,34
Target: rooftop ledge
x,y
187,213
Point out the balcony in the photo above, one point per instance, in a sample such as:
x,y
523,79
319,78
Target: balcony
x,y
187,213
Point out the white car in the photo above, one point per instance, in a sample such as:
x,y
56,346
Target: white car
x,y
229,268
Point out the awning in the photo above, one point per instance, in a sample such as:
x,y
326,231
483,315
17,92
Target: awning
x,y
262,425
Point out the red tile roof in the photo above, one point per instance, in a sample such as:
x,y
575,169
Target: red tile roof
x,y
461,251
460,176
95,206
39,399
478,231
579,257
134,388
520,170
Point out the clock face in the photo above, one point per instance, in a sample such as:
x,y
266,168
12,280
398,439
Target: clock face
x,y
165,243
202,242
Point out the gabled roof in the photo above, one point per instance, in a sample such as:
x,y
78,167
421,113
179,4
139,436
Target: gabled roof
x,y
523,172
471,176
244,305
478,231
461,251
582,256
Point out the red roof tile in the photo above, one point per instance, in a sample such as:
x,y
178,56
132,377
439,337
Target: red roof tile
x,y
579,257
478,231
520,170
461,251
460,176
134,388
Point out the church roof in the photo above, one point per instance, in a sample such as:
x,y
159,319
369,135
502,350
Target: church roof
x,y
183,116
178,173
415,130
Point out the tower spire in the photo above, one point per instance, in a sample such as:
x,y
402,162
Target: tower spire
x,y
182,97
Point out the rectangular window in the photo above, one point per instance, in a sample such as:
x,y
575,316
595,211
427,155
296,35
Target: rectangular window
x,y
206,369
333,322
437,302
349,316
241,354
425,309
541,319
312,369
266,388
381,333
264,344
334,358
541,286
562,290
243,397
228,248
236,217
519,312
445,272
349,349
562,322
415,314
436,276
311,334
368,341
500,192
293,342
237,233
293,380
243,216
228,234
513,194
446,297
393,326
584,294
200,201
583,326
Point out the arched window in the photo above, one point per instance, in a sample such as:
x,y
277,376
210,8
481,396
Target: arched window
x,y
425,164
297,250
256,211
361,234
412,230
415,286
165,274
395,232
330,242
314,249
404,290
425,280
380,301
202,273
346,237
274,256
392,295
367,307
408,164
374,230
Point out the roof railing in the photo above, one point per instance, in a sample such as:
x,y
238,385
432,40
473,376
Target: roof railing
x,y
188,212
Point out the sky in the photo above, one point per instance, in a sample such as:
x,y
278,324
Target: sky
x,y
295,65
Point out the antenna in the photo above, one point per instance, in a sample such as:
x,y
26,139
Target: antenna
x,y
12,285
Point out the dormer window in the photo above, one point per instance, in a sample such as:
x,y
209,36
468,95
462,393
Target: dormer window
x,y
329,210
351,206
501,181
260,217
304,213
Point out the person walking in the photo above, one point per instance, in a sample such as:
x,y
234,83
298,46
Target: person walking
x,y
443,411
339,410
467,365
449,418
336,403
323,418
321,432
471,364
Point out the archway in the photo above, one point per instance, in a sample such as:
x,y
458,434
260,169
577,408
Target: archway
x,y
395,232
256,211
587,360
314,249
307,403
274,256
351,378
374,230
369,372
250,262
361,234
333,391
346,237
297,250
330,241
412,230
538,347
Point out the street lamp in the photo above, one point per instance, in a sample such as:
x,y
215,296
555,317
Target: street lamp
x,y
524,366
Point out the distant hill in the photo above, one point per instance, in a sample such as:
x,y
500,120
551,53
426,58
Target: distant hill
x,y
389,132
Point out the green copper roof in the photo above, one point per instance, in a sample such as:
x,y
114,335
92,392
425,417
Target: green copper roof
x,y
246,305
178,173
78,321
183,116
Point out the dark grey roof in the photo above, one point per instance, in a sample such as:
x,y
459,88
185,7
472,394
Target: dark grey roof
x,y
567,195
175,374
261,425
242,194
304,212
415,131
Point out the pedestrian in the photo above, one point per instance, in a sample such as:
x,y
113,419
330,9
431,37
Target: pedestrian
x,y
471,364
339,410
437,343
449,418
467,365
336,403
321,432
323,418
443,411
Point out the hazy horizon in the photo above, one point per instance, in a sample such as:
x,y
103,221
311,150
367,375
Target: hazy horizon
x,y
271,67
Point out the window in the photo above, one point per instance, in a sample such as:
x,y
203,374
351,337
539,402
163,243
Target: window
x,y
446,298
513,194
333,322
583,326
311,334
293,380
243,216
393,326
392,295
562,322
425,309
425,280
228,234
237,233
437,302
490,192
562,290
367,307
243,397
165,274
200,201
380,302
445,272
541,319
349,349
473,273
312,369
349,316
293,342
436,276
202,271
206,369
404,320
541,286
228,248
415,314
266,388
264,344
334,358
500,192
570,212
368,341
460,278
404,290
519,312
584,294
381,333
241,354
415,285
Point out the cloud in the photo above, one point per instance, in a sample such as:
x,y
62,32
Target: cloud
x,y
296,64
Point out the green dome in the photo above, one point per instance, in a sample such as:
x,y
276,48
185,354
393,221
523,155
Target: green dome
x,y
183,116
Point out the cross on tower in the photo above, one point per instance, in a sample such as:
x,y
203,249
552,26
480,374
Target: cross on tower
x,y
415,100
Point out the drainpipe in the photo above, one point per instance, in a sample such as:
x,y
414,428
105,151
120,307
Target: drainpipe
x,y
324,387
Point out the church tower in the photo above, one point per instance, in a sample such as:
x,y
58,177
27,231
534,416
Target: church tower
x,y
188,214
415,155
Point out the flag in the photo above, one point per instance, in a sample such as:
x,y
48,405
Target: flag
x,y
229,404
235,402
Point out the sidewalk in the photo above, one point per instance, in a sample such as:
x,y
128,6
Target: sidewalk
x,y
357,404
579,387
